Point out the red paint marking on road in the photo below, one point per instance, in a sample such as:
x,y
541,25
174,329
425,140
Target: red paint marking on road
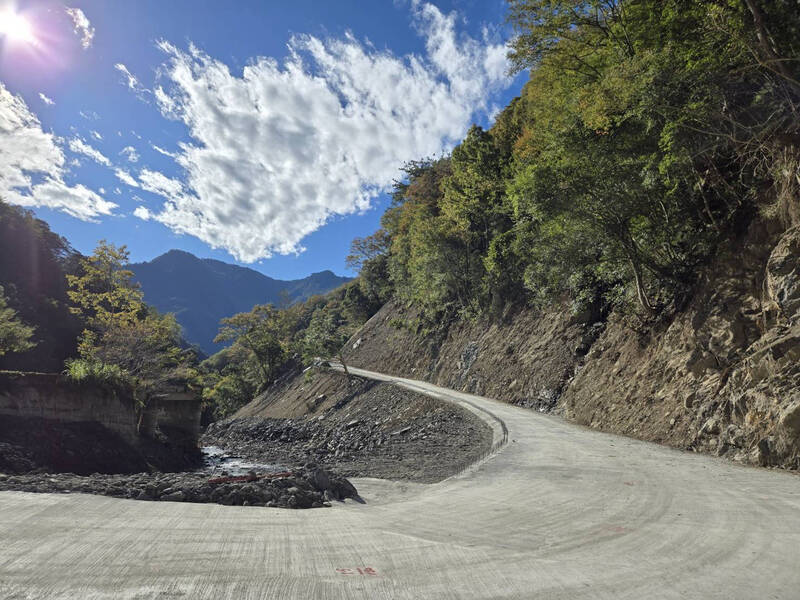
x,y
618,529
358,571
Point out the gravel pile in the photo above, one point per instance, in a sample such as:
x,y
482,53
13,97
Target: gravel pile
x,y
307,487
386,432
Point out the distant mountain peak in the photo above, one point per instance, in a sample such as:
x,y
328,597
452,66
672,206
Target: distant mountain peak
x,y
201,291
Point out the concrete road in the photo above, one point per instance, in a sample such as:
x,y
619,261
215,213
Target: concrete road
x,y
556,512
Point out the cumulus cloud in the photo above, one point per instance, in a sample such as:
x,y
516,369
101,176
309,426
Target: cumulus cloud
x,y
278,150
32,165
78,146
82,27
130,153
142,213
46,99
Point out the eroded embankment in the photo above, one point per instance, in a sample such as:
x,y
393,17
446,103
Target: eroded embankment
x,y
357,427
721,376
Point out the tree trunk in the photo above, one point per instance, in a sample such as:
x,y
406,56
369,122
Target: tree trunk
x,y
774,61
641,293
344,365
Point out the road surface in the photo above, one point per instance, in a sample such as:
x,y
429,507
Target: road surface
x,y
558,511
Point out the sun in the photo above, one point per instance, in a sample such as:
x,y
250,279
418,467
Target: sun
x,y
16,28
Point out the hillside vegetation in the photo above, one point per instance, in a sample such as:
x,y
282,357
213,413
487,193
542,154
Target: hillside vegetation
x,y
649,133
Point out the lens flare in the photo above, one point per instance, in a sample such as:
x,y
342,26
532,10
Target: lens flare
x,y
16,28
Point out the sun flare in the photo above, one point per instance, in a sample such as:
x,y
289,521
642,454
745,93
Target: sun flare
x,y
16,28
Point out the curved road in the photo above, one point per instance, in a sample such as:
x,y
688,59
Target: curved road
x,y
558,511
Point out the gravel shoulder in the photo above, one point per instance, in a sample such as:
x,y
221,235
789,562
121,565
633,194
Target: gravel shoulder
x,y
368,429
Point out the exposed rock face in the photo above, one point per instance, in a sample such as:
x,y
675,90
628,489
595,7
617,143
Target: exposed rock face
x,y
721,377
783,274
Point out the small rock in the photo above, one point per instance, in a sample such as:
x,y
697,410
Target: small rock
x,y
711,426
176,496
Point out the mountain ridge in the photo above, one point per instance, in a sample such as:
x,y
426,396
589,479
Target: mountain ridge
x,y
201,291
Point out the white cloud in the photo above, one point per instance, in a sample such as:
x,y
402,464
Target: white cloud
x,y
130,153
133,83
126,177
117,191
142,213
96,135
282,148
82,26
158,183
78,146
32,165
46,99
89,115
161,150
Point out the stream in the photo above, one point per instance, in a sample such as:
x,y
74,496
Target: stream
x,y
216,462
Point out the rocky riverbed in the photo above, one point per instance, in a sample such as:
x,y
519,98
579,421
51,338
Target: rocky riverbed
x,y
378,431
305,487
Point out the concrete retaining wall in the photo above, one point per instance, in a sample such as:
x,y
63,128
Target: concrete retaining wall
x,y
53,396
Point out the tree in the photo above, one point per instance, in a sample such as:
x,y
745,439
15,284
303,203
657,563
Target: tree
x,y
260,333
363,250
123,331
146,349
327,334
15,336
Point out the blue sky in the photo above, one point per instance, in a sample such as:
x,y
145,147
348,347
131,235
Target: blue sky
x,y
261,133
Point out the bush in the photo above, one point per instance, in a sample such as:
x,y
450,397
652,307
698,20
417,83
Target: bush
x,y
84,371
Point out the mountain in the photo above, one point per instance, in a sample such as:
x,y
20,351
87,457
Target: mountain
x,y
201,291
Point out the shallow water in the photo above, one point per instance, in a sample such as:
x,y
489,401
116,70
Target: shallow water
x,y
217,461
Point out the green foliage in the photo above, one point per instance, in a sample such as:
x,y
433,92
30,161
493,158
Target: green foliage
x,y
327,332
259,333
104,293
81,370
649,131
15,336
